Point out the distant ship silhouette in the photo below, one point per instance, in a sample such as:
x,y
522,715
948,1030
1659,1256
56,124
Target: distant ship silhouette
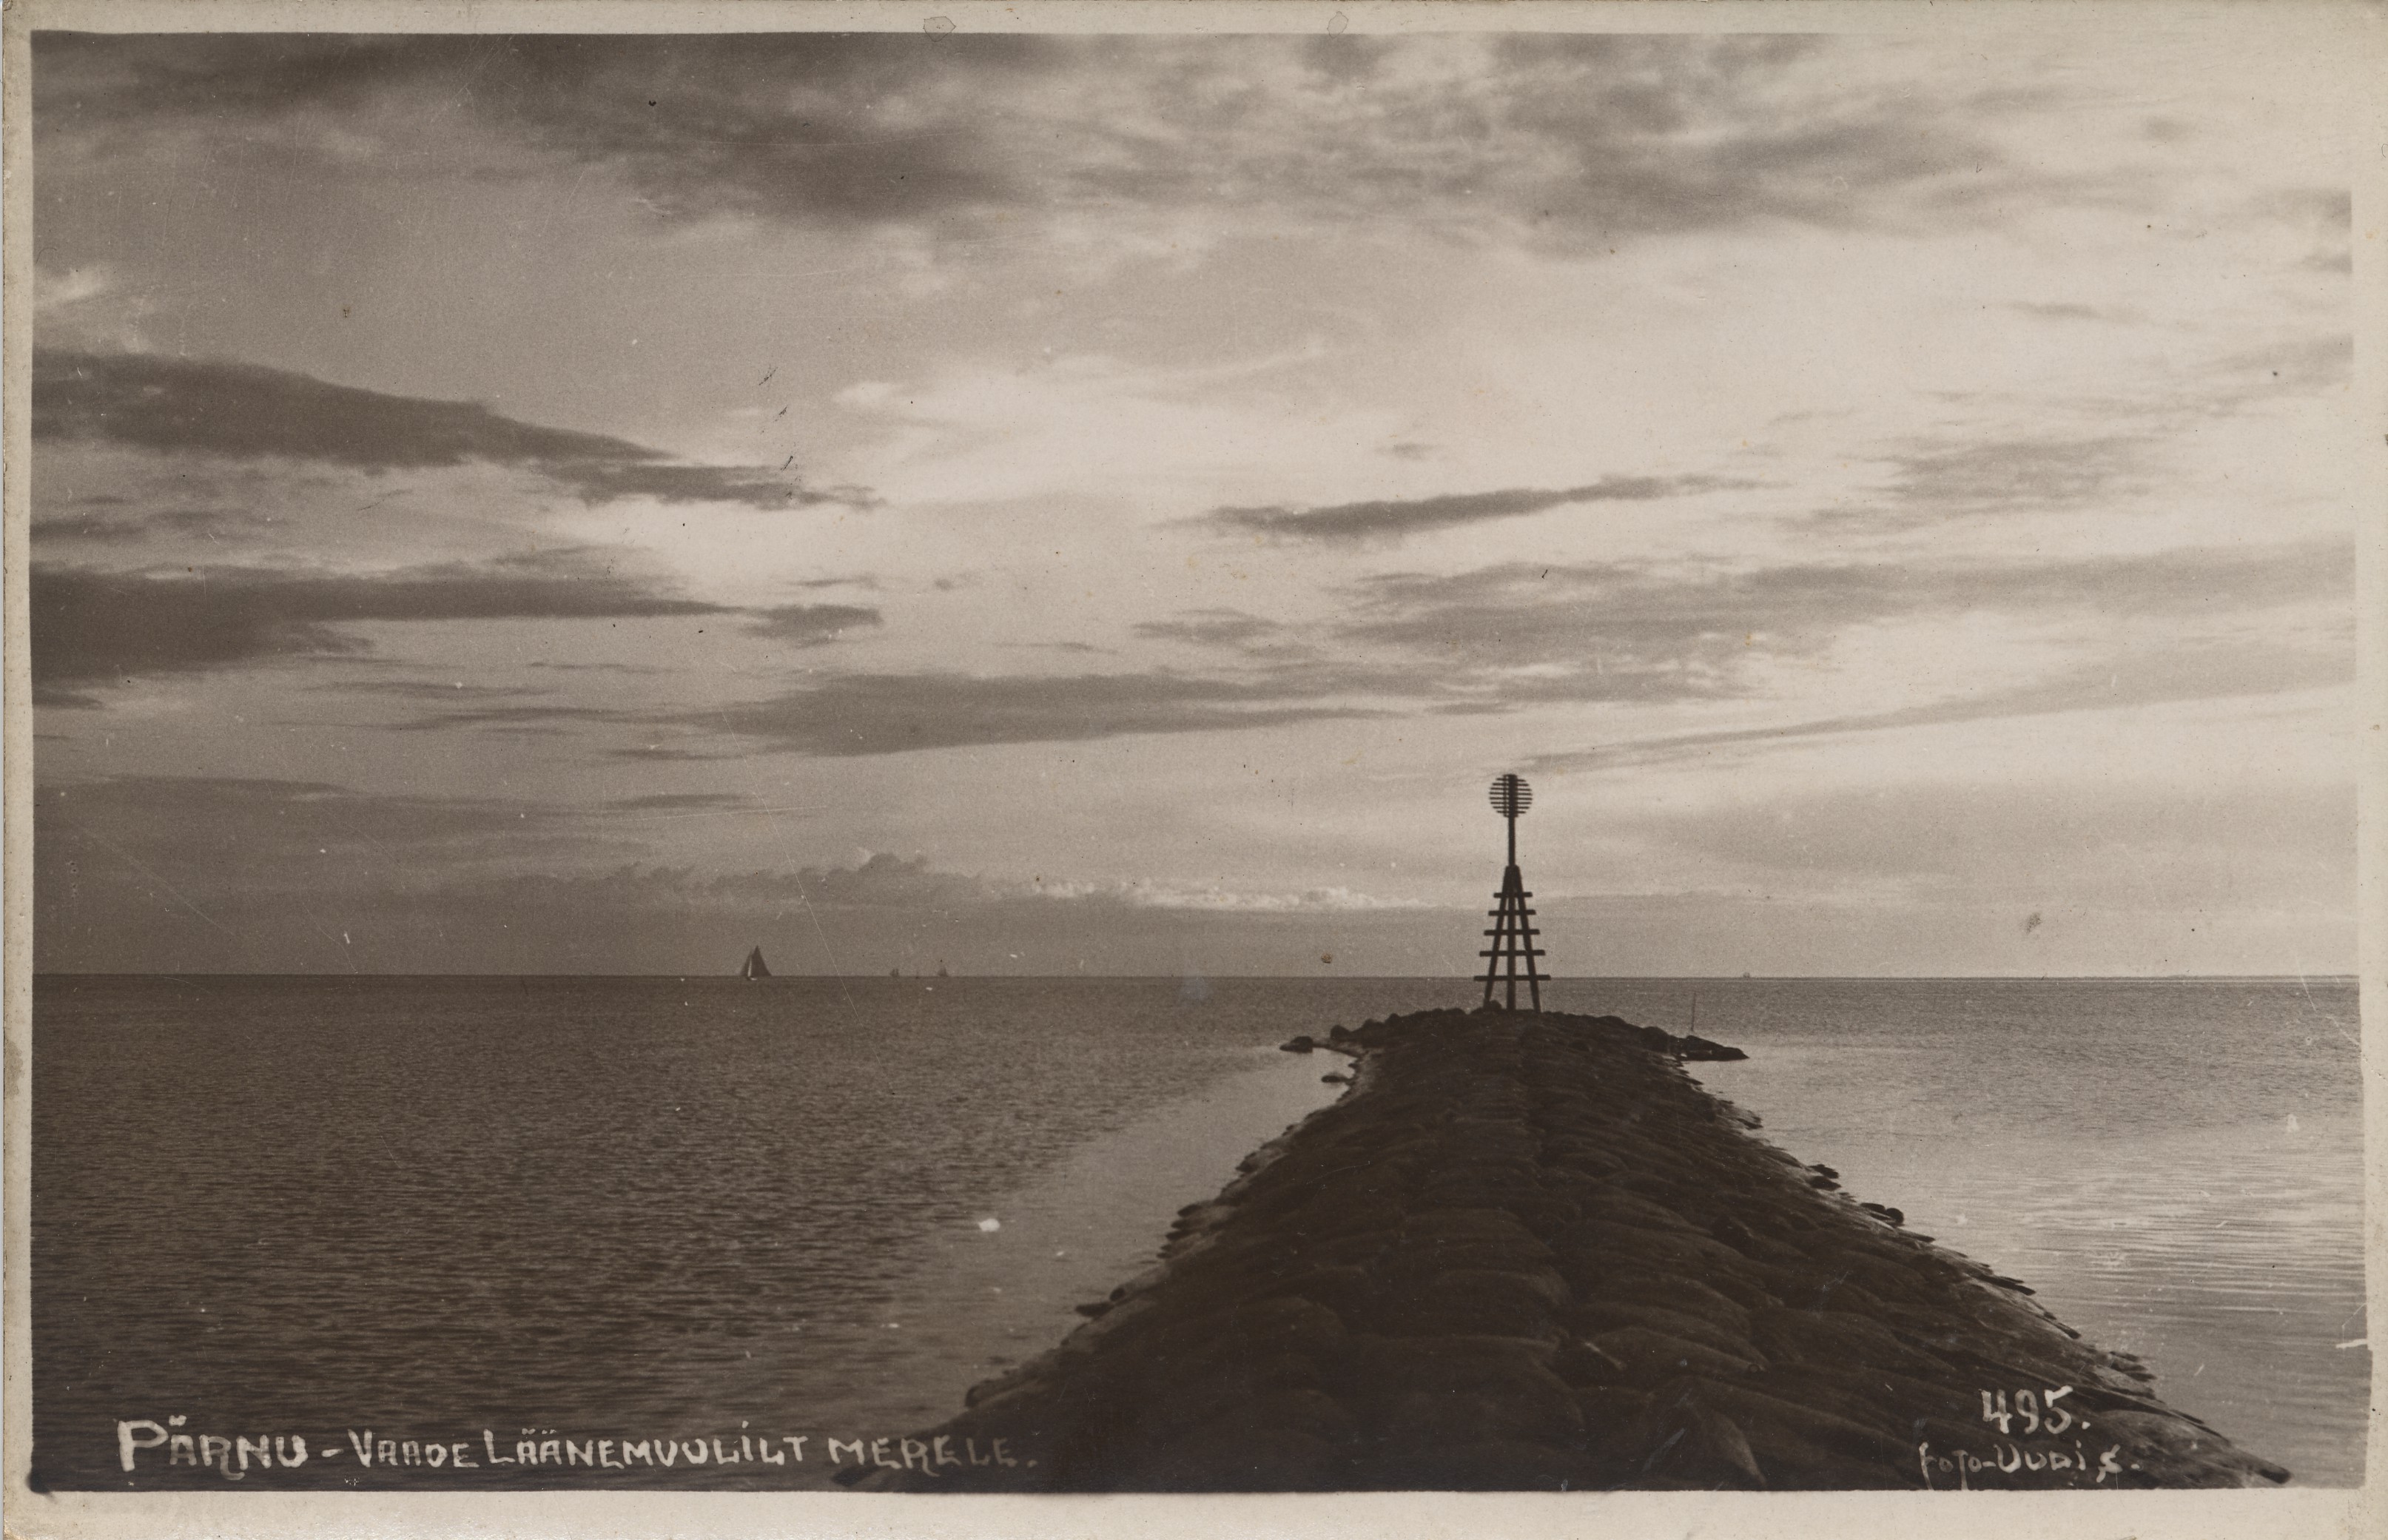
x,y
753,966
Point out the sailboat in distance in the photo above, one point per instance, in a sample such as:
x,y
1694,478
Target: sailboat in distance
x,y
753,966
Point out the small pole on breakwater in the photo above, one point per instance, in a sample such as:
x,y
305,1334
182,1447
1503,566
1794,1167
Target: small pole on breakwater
x,y
1513,932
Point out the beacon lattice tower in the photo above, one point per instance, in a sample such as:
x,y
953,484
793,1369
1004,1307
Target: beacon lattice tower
x,y
1513,924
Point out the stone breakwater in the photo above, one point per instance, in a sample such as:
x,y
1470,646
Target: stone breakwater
x,y
1529,1251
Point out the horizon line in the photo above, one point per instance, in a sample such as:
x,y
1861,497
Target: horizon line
x,y
1306,978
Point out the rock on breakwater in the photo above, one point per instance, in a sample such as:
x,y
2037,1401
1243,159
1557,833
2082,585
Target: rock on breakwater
x,y
1527,1251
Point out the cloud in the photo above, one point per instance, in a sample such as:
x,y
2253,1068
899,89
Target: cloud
x,y
112,529
1215,627
845,128
54,291
870,714
266,875
2293,365
684,802
524,719
91,626
1521,633
1392,519
1503,636
247,412
2092,842
259,873
884,880
2068,310
1223,901
811,625
665,754
89,305
1567,139
2180,673
2016,475
1613,632
427,690
756,486
263,830
2324,216
96,82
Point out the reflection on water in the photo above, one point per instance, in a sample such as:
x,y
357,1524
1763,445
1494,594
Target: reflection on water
x,y
977,1300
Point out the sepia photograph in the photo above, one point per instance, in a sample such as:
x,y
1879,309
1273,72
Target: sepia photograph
x,y
845,755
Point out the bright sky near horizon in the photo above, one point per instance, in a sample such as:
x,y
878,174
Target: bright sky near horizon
x,y
517,504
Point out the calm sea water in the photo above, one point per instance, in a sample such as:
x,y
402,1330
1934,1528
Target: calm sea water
x,y
478,1215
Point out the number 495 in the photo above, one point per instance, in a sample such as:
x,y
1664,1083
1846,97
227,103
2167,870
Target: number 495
x,y
2038,1413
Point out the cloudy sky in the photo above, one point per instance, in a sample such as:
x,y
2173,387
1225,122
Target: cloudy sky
x,y
1047,503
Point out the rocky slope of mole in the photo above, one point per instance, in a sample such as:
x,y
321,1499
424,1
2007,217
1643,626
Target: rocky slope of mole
x,y
1529,1252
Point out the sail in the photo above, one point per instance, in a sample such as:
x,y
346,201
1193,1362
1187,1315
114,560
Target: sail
x,y
754,967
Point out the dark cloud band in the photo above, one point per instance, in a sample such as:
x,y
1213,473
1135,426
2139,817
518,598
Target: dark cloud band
x,y
1391,518
247,412
1569,140
868,714
93,627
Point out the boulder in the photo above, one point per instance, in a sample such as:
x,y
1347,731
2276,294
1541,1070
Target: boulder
x,y
1650,1357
